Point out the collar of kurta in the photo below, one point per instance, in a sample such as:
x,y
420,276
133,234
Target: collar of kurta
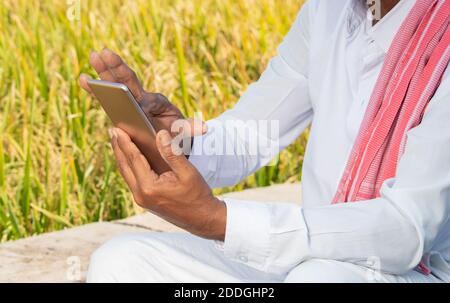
x,y
383,32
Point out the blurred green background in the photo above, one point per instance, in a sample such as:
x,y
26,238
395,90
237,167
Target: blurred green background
x,y
56,165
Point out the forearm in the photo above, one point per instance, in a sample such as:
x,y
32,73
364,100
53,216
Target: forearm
x,y
207,221
215,226
236,143
241,141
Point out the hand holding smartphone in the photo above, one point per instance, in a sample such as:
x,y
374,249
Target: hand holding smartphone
x,y
126,114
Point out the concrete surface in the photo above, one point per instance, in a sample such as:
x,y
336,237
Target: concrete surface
x,y
64,256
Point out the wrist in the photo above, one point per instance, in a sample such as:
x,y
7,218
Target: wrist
x,y
215,225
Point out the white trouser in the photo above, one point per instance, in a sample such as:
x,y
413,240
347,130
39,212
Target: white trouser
x,y
179,257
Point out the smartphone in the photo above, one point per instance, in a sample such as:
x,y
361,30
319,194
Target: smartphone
x,y
126,114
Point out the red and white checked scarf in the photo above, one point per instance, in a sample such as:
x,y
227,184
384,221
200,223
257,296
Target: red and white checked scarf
x,y
412,71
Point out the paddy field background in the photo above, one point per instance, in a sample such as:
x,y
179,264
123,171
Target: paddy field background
x,y
56,164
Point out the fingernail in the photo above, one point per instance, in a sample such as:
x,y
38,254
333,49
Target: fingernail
x,y
165,138
112,133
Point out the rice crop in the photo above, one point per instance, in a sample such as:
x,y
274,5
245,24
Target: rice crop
x,y
56,164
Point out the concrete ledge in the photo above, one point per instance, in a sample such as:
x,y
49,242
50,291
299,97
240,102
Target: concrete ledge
x,y
64,256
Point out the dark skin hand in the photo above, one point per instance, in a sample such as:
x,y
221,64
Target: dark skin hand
x,y
110,67
180,196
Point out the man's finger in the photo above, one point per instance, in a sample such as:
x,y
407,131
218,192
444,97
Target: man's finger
x,y
122,162
101,68
83,83
136,160
122,72
173,155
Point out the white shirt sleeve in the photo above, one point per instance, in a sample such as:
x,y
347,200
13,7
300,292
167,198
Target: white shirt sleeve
x,y
237,144
395,229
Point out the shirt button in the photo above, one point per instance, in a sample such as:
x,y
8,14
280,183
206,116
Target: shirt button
x,y
243,258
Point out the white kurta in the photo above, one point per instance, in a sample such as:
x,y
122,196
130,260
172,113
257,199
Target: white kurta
x,y
323,75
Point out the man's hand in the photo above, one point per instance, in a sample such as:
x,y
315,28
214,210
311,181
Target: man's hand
x,y
110,67
180,196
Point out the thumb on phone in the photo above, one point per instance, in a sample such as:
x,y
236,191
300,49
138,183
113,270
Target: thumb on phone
x,y
173,155
84,84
